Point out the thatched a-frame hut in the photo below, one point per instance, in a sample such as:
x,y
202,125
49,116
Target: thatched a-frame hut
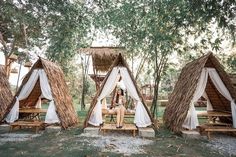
x,y
102,59
56,87
181,100
119,69
5,92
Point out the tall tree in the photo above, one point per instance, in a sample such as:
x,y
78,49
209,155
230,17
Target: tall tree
x,y
163,27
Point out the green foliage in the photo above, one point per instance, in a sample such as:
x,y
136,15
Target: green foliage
x,y
160,28
69,26
231,61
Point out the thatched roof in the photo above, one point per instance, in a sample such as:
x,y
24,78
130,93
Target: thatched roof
x,y
5,92
103,57
63,101
179,101
119,61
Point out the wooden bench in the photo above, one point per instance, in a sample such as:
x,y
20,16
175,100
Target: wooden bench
x,y
27,124
208,129
129,127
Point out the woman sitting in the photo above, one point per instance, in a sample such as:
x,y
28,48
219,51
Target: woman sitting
x,y
119,102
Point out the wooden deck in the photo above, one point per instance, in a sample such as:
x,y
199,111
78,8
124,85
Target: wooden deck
x,y
213,114
27,124
128,127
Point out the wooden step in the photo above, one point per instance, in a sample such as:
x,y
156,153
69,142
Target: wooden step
x,y
129,127
28,124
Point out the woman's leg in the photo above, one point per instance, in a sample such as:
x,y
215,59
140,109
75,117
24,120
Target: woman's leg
x,y
117,110
122,114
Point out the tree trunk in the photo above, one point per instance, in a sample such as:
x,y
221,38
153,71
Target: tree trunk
x,y
83,94
154,107
83,88
7,66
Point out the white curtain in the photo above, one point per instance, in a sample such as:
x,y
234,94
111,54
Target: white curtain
x,y
38,103
51,115
191,121
25,92
141,118
13,115
209,105
224,91
96,116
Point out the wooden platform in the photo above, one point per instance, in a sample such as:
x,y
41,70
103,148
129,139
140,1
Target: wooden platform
x,y
213,114
208,129
27,124
34,110
128,127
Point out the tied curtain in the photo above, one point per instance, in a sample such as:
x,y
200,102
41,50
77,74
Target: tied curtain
x,y
191,121
13,115
96,115
51,115
141,119
25,92
224,91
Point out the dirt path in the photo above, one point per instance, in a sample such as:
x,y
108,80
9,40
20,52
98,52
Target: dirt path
x,y
116,143
16,137
224,144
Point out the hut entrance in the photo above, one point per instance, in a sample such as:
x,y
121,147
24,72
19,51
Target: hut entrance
x,y
44,83
203,78
119,77
28,103
212,88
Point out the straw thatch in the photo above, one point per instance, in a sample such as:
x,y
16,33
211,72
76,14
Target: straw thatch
x,y
179,101
5,92
103,57
119,61
63,101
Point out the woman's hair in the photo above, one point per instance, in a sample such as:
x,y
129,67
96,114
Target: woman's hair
x,y
117,95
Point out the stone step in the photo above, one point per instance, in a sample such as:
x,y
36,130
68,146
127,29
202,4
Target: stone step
x,y
192,134
146,132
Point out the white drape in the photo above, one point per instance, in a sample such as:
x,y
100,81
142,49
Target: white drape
x,y
51,115
141,118
38,103
25,92
209,105
96,116
13,115
224,91
191,121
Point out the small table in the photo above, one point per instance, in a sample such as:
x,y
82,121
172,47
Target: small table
x,y
34,112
